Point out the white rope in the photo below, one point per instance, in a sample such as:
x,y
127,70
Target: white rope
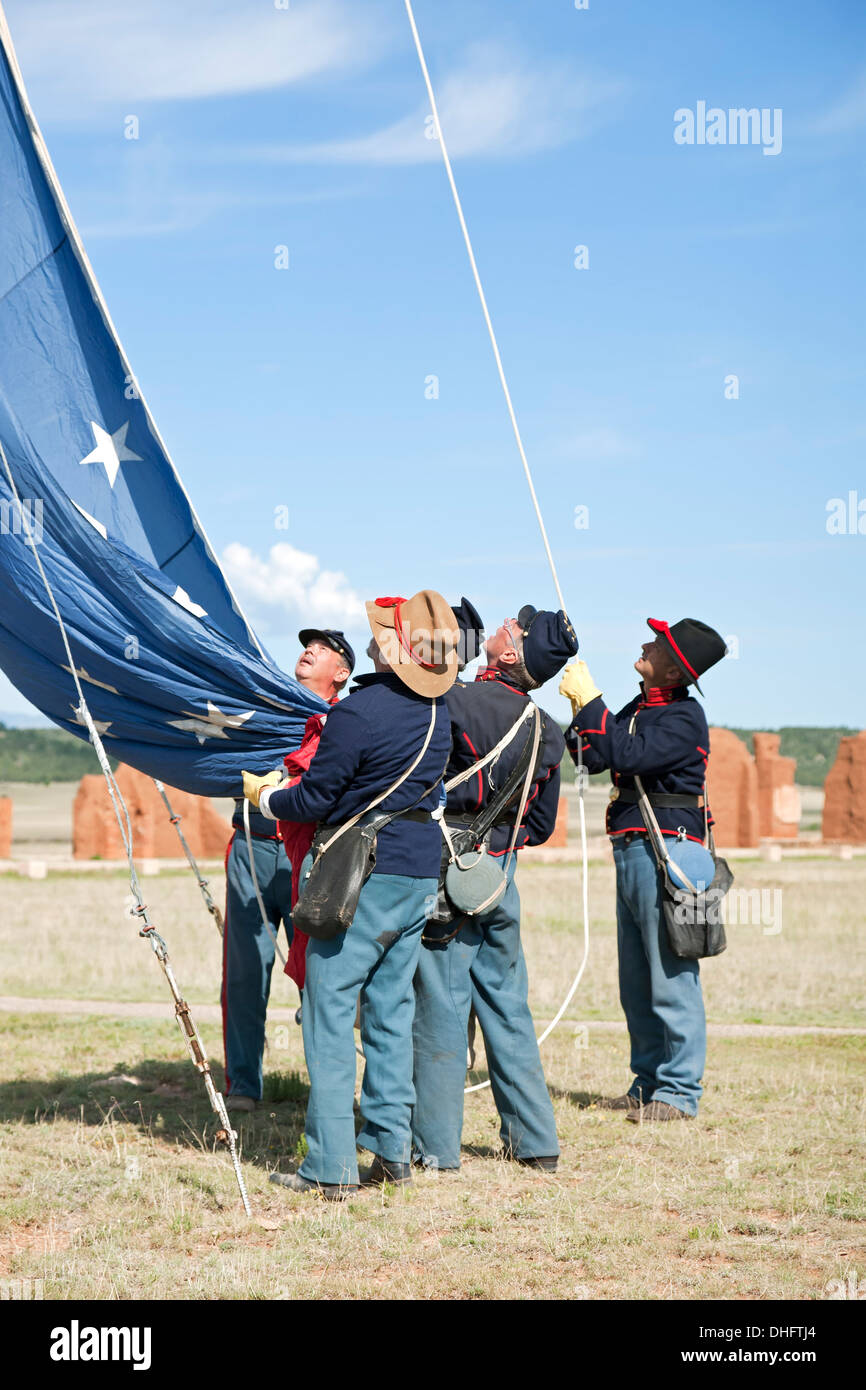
x,y
191,1034
482,297
191,859
581,779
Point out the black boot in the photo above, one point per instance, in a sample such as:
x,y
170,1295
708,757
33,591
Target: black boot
x,y
545,1162
382,1171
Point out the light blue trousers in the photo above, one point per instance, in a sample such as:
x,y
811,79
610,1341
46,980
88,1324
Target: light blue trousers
x,y
379,955
248,955
660,993
483,966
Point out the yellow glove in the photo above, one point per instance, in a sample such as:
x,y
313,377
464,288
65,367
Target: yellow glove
x,y
254,786
578,686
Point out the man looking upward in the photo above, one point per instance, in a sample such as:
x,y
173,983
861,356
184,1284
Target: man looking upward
x,y
661,736
324,666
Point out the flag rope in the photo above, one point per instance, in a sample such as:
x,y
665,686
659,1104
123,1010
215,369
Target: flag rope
x,y
581,770
191,859
225,1134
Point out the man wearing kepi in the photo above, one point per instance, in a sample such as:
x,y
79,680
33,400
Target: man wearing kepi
x,y
477,961
298,838
661,737
324,667
393,728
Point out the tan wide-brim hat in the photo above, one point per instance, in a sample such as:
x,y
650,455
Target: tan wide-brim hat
x,y
417,637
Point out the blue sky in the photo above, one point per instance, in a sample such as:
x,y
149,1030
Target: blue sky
x,y
304,388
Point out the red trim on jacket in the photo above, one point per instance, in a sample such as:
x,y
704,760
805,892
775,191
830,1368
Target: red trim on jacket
x,y
642,830
476,755
493,673
662,695
603,724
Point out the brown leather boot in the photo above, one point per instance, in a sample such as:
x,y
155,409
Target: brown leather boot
x,y
626,1102
383,1170
657,1110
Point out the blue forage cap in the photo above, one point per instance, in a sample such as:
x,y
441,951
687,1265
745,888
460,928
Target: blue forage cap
x,y
548,642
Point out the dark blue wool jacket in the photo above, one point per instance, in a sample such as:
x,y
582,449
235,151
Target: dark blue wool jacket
x,y
668,751
260,826
369,739
481,713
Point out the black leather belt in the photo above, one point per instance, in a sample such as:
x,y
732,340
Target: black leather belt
x,y
422,817
467,818
674,800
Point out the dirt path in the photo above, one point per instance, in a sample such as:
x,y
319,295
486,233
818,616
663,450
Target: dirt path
x,y
210,1013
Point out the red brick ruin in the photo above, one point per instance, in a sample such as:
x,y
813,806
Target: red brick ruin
x,y
95,833
5,827
559,838
732,783
778,798
845,793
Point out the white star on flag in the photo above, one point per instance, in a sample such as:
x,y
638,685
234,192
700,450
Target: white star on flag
x,y
110,450
211,725
101,726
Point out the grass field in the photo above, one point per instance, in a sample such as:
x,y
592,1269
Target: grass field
x,y
110,1186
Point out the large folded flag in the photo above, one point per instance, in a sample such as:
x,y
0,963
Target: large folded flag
x,y
171,671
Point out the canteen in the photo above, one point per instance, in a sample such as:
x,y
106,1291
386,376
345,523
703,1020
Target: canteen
x,y
474,882
690,868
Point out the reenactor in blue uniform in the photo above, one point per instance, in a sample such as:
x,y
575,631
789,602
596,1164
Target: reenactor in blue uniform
x,y
662,737
477,961
324,666
370,740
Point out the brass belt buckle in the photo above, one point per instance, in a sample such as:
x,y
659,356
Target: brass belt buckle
x,y
614,793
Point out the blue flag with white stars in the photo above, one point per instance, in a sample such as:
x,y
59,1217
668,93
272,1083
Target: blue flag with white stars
x,y
174,677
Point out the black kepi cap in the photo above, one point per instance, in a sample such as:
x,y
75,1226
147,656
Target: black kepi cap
x,y
694,646
471,631
333,639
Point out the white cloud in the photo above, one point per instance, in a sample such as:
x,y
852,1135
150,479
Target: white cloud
x,y
153,203
290,585
495,103
75,56
847,114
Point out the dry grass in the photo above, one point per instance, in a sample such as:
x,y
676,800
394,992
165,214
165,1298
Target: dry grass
x,y
810,972
110,1189
109,1186
67,936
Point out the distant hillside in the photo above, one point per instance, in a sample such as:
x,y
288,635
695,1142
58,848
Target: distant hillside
x,y
44,755
17,719
814,749
52,755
